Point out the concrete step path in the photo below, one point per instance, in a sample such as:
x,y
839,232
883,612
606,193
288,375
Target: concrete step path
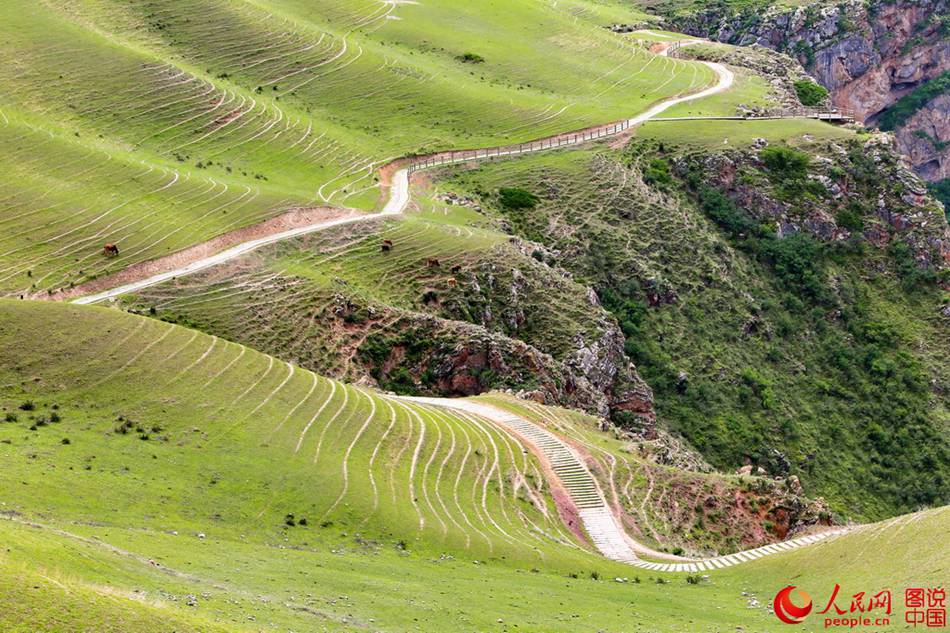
x,y
599,521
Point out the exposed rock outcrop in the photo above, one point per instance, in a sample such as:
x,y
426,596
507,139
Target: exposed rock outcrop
x,y
867,54
415,353
596,374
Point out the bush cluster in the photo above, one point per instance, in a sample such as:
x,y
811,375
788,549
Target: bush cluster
x,y
809,93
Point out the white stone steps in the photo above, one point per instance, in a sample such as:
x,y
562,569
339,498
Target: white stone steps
x,y
601,526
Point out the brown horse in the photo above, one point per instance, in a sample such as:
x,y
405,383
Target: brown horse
x,y
110,250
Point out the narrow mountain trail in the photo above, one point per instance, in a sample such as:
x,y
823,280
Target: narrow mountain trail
x,y
395,182
600,522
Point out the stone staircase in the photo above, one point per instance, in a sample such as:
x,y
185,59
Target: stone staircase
x,y
607,535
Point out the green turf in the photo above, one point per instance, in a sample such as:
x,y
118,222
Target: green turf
x,y
748,90
287,103
378,588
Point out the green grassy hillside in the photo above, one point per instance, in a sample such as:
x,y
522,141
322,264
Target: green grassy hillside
x,y
132,413
719,293
64,197
156,126
169,506
62,580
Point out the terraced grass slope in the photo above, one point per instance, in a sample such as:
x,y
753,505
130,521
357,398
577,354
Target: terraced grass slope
x,y
63,198
173,122
665,497
128,412
351,588
177,515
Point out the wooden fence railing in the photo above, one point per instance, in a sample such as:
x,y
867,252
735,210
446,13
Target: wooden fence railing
x,y
417,163
562,140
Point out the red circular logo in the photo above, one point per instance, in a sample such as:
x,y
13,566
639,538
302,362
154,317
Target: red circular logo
x,y
786,610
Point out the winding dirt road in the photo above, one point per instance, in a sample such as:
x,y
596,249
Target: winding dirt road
x,y
396,174
398,199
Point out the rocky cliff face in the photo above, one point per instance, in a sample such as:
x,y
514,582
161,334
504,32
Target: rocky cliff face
x,y
594,373
925,139
868,54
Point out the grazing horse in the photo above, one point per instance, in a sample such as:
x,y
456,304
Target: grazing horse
x,y
110,250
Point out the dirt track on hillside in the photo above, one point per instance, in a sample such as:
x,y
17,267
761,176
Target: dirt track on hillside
x,y
295,218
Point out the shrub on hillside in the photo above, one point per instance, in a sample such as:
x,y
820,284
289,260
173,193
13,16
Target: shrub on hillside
x,y
471,58
809,93
657,174
515,199
797,261
757,387
788,169
850,218
941,191
912,276
784,163
726,214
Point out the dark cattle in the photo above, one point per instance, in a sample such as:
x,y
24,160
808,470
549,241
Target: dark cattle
x,y
457,268
110,250
433,263
386,246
